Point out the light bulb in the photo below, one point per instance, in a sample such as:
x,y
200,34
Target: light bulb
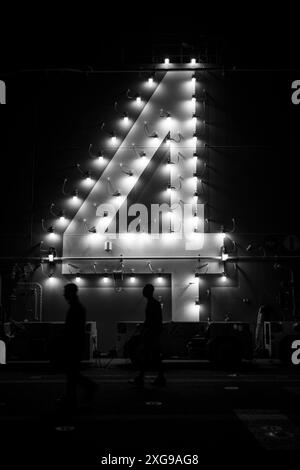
x,y
100,157
169,164
167,61
61,216
193,61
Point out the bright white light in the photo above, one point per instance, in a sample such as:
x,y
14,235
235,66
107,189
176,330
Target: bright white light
x,y
100,158
222,235
125,119
223,278
195,138
138,99
195,197
193,61
194,118
132,278
193,79
224,256
167,61
195,157
53,235
77,278
169,189
50,258
88,181
150,80
62,221
113,139
144,237
193,99
105,279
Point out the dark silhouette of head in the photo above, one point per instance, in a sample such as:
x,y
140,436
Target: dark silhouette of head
x,y
148,291
70,292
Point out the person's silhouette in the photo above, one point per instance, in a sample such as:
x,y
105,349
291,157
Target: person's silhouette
x,y
149,348
74,336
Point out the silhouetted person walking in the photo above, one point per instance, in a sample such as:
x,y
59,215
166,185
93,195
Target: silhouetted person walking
x,y
74,337
149,350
